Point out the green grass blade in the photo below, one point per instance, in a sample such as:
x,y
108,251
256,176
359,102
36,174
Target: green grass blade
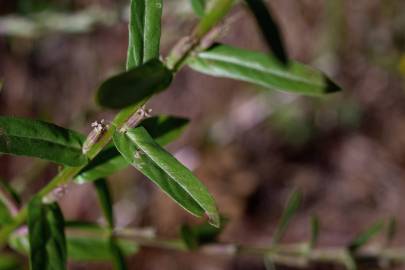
x,y
314,231
364,237
291,208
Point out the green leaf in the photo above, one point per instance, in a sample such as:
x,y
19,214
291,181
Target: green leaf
x,y
134,86
5,215
8,203
364,237
96,248
195,236
391,230
261,69
34,138
139,149
198,7
81,225
81,248
314,231
289,211
118,255
46,236
104,198
163,129
144,31
104,164
269,29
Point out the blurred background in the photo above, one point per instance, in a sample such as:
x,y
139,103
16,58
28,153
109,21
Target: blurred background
x,y
251,147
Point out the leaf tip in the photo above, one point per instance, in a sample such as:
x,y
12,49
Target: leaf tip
x,y
214,219
331,86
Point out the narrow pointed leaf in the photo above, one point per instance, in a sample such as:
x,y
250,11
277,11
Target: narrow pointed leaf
x,y
163,129
364,237
261,69
139,149
25,137
314,231
8,203
289,211
269,29
11,192
198,7
118,255
134,86
144,31
46,236
81,248
5,215
391,230
104,164
104,198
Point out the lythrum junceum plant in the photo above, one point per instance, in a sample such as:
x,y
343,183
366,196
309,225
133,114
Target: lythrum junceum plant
x,y
135,138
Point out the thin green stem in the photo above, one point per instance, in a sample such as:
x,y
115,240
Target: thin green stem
x,y
295,255
187,45
213,17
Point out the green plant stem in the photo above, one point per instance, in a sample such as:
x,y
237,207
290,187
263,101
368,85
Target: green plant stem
x,y
296,255
187,45
213,17
218,11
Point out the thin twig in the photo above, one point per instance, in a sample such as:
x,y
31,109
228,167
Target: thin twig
x,y
296,255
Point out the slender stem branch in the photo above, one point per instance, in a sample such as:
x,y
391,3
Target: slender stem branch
x,y
297,255
188,44
218,11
